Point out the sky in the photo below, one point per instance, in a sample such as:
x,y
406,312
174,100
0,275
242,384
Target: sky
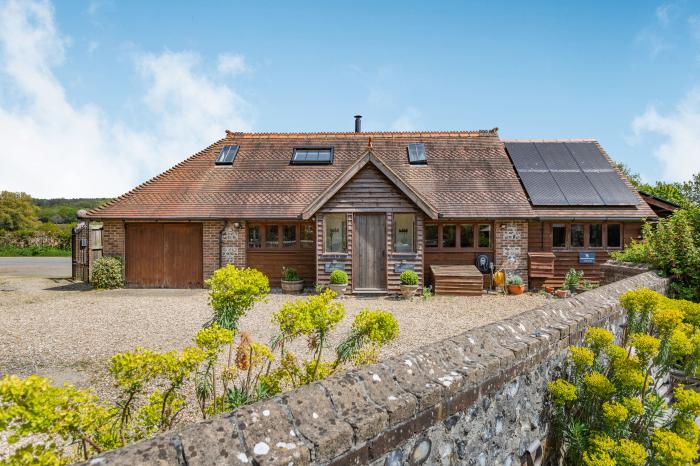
x,y
99,96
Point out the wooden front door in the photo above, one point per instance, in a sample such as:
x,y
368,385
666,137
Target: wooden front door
x,y
369,248
164,255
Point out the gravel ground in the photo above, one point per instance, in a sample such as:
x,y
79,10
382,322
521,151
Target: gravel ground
x,y
67,332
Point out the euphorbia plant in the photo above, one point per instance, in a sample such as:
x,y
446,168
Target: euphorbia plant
x,y
608,410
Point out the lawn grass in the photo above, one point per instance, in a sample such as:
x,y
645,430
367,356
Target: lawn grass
x,y
40,251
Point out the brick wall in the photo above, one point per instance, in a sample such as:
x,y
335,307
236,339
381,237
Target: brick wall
x,y
475,398
510,247
233,245
113,235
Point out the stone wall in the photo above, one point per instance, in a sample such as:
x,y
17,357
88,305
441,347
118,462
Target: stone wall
x,y
613,271
476,398
511,247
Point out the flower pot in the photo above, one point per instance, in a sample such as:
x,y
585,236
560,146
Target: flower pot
x,y
339,290
563,293
293,286
408,291
549,289
516,289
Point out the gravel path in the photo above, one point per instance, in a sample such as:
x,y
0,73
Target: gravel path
x,y
67,332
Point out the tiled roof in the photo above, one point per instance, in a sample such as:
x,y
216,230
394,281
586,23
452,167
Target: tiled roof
x,y
468,175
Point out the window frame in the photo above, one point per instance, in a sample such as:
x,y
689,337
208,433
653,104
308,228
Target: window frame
x,y
414,249
586,236
326,243
293,161
263,225
458,236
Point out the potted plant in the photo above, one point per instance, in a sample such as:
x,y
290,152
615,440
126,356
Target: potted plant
x,y
291,281
572,279
339,282
409,283
515,285
563,293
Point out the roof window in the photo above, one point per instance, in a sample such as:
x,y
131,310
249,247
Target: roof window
x,y
312,156
416,154
227,155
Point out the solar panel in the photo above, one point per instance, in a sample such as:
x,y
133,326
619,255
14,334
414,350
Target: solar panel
x,y
576,188
542,189
227,155
312,156
588,156
556,156
416,154
611,188
525,156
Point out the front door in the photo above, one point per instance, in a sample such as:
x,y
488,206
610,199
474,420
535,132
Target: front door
x,y
369,269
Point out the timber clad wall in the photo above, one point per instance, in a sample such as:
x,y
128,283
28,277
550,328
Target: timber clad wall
x,y
396,259
540,239
323,277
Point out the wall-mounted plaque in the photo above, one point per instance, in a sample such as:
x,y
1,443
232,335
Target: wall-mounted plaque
x,y
334,265
403,266
586,258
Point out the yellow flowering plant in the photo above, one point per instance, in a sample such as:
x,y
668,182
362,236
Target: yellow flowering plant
x,y
607,407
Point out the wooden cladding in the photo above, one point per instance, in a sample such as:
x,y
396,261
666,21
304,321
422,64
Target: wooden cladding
x,y
451,235
164,255
288,235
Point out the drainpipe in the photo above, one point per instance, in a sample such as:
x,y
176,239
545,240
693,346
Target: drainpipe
x,y
221,243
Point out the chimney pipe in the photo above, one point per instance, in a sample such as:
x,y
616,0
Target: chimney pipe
x,y
358,123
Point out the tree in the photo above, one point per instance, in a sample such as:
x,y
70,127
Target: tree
x,y
691,189
17,212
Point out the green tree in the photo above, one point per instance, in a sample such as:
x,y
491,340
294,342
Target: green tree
x,y
17,212
691,189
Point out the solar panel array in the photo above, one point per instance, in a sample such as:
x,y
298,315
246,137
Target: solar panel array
x,y
568,174
227,155
416,154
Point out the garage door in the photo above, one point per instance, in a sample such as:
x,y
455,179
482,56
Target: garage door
x,y
164,255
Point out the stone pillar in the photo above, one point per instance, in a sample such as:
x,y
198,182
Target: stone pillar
x,y
511,247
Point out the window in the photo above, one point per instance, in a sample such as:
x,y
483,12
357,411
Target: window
x,y
335,232
449,236
272,236
289,236
614,236
431,235
227,155
558,236
595,235
254,236
307,236
484,236
416,154
466,236
312,156
577,237
404,232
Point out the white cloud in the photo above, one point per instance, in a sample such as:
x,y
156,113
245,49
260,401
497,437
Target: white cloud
x,y
679,151
407,121
52,147
663,12
232,64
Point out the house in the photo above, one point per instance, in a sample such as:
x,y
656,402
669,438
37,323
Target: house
x,y
662,207
373,204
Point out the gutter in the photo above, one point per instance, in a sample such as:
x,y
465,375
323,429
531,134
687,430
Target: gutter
x,y
594,219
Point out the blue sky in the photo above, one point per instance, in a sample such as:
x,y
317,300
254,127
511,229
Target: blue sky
x,y
98,96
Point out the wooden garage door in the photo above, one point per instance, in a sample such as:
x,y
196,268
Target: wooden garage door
x,y
164,255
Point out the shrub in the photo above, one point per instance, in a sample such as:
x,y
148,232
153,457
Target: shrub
x,y
370,330
339,277
409,277
107,273
636,251
515,280
572,279
607,409
290,274
233,292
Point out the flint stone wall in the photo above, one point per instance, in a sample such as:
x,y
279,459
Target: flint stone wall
x,y
476,398
613,271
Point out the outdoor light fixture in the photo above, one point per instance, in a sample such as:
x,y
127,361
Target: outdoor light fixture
x,y
237,225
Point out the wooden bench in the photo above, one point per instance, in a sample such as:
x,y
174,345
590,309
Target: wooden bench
x,y
464,280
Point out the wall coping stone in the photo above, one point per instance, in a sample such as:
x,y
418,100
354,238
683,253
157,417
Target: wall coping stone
x,y
357,416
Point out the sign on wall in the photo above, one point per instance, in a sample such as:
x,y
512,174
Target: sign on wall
x,y
403,266
334,265
586,258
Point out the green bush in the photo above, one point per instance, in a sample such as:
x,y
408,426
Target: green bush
x,y
636,251
409,277
107,273
43,251
572,279
233,292
339,277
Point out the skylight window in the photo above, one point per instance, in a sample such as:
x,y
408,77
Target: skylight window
x,y
416,154
312,156
227,155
